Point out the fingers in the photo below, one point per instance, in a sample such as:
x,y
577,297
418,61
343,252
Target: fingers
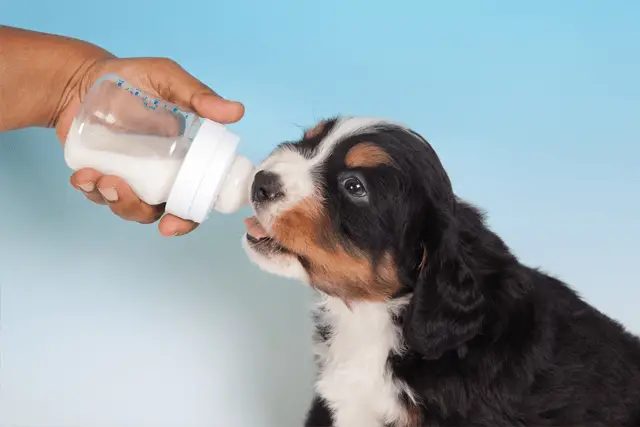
x,y
85,180
175,84
123,201
114,192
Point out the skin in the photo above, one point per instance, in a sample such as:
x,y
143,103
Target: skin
x,y
44,80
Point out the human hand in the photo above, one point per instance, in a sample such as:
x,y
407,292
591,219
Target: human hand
x,y
45,85
162,78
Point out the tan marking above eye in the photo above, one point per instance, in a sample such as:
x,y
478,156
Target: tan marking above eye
x,y
316,130
366,155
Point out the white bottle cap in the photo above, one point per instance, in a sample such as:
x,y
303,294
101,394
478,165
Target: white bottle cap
x,y
203,172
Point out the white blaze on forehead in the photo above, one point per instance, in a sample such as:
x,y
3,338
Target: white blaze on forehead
x,y
296,171
346,128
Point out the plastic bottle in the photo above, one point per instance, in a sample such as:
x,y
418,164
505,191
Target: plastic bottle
x,y
167,154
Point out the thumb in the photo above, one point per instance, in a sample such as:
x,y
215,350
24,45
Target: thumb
x,y
175,84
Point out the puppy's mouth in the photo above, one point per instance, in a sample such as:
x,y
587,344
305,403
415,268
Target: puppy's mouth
x,y
259,239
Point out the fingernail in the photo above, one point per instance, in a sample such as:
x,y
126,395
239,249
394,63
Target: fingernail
x,y
109,194
87,187
177,233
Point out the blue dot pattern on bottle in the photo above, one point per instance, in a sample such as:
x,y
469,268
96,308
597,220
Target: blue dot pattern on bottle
x,y
152,103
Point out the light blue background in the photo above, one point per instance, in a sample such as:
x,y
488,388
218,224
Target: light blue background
x,y
534,108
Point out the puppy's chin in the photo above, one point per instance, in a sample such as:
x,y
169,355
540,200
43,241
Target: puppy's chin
x,y
272,258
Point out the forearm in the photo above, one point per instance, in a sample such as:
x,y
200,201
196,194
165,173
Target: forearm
x,y
38,74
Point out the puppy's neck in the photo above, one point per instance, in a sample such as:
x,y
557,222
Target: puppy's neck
x,y
352,349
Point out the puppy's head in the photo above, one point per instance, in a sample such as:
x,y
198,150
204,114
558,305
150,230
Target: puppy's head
x,y
362,209
351,208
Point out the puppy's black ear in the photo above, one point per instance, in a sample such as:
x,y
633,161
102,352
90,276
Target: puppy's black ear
x,y
447,307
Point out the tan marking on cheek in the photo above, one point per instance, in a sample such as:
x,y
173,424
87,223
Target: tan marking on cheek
x,y
300,228
315,131
345,275
334,269
354,277
366,155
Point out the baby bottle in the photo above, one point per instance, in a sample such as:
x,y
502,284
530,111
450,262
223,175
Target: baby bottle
x,y
166,153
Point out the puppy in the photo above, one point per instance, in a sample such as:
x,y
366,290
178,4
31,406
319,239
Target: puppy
x,y
424,317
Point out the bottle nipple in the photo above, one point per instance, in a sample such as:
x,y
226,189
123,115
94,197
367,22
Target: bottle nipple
x,y
235,189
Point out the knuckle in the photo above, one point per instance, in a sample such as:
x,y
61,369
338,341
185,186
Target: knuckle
x,y
168,63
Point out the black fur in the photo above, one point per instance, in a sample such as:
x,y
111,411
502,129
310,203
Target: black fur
x,y
319,414
491,341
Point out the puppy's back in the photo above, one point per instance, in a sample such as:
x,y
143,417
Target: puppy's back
x,y
594,368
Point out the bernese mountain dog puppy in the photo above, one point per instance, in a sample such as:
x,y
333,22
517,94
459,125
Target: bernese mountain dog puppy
x,y
424,317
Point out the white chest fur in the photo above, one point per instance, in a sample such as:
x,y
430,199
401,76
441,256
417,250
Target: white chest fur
x,y
353,374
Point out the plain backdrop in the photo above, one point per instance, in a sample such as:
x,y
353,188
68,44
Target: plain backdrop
x,y
534,108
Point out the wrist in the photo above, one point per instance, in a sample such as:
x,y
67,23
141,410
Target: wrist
x,y
42,73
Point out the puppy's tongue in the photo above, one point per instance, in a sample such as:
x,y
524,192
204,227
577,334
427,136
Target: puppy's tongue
x,y
254,229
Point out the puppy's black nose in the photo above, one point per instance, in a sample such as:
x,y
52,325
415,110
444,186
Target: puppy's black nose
x,y
266,187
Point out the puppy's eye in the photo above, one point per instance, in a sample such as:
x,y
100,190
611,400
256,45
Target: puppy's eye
x,y
354,187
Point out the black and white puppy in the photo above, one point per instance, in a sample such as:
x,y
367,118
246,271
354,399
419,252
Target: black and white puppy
x,y
424,317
